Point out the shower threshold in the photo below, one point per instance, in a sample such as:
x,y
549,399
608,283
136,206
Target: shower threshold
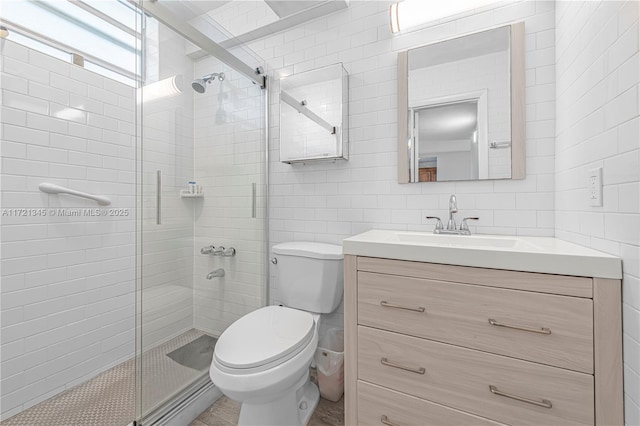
x,y
109,398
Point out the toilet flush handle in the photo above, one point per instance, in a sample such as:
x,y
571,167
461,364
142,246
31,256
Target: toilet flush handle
x,y
274,260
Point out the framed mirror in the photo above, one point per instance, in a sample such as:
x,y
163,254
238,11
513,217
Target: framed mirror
x,y
463,104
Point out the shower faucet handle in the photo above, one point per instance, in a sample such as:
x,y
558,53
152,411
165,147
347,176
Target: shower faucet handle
x,y
207,250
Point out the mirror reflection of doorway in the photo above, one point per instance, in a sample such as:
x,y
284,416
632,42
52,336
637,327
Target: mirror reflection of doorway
x,y
447,141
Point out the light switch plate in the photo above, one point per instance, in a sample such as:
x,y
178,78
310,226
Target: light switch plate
x,y
595,187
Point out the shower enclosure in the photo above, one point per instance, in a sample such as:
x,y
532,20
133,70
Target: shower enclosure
x,y
110,312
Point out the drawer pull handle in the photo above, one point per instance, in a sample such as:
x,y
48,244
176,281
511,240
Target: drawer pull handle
x,y
517,327
385,361
386,304
385,421
545,402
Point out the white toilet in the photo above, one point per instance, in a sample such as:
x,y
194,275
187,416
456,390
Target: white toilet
x,y
263,359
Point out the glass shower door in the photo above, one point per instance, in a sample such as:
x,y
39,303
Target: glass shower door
x,y
69,76
215,138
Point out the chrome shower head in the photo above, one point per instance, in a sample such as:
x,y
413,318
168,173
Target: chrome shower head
x,y
200,84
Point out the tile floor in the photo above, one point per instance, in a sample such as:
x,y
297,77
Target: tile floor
x,y
109,398
225,412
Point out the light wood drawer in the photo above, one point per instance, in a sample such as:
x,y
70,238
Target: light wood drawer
x,y
515,280
460,314
401,409
461,378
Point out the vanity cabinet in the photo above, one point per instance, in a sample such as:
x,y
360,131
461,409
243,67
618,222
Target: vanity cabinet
x,y
436,344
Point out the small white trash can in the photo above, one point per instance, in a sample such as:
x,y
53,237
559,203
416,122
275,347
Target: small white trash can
x,y
329,359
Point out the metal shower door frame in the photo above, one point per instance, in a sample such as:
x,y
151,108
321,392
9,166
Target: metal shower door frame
x,y
157,11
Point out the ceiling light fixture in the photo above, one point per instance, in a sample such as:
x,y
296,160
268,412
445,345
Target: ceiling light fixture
x,y
166,88
411,13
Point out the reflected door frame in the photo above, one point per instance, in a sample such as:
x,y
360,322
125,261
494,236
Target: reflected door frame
x,y
480,96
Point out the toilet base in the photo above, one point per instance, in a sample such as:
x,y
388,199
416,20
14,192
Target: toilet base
x,y
308,401
292,408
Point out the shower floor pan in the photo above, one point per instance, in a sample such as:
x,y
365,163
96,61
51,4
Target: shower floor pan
x,y
109,398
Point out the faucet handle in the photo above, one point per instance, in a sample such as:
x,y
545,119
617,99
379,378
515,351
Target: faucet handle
x,y
464,226
439,225
207,250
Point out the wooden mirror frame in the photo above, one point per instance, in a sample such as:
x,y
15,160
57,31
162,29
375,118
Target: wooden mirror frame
x,y
518,108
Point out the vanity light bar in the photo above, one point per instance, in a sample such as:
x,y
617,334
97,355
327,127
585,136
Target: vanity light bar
x,y
411,13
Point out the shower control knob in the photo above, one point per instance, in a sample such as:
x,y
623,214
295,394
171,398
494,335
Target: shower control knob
x,y
274,260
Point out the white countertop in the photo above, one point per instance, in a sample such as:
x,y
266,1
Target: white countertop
x,y
530,254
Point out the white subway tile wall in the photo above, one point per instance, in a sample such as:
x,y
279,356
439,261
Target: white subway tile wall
x,y
68,281
230,153
598,125
327,202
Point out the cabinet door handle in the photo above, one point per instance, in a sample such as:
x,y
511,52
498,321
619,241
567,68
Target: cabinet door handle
x,y
386,304
385,361
385,421
542,330
544,403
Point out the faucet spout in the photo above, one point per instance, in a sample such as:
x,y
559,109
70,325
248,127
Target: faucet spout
x,y
453,208
215,274
451,225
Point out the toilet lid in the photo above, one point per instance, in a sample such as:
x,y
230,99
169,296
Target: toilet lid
x,y
263,336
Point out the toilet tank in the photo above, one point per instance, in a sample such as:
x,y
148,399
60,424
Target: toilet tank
x,y
310,275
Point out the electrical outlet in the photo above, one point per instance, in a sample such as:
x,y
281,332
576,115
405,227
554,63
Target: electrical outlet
x,y
595,187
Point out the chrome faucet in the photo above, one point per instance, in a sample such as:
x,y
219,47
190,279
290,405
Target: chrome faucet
x,y
218,251
451,225
453,208
218,273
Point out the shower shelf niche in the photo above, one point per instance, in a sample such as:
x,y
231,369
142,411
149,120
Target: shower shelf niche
x,y
184,193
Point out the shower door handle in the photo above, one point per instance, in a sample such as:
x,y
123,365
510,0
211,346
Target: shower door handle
x,y
253,200
158,197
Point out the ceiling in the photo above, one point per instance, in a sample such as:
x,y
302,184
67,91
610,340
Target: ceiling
x,y
233,22
456,121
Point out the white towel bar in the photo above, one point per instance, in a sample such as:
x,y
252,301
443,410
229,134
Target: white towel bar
x,y
50,188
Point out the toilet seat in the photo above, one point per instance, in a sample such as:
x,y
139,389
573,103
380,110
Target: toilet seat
x,y
264,338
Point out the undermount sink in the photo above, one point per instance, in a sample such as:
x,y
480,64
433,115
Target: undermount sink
x,y
459,240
